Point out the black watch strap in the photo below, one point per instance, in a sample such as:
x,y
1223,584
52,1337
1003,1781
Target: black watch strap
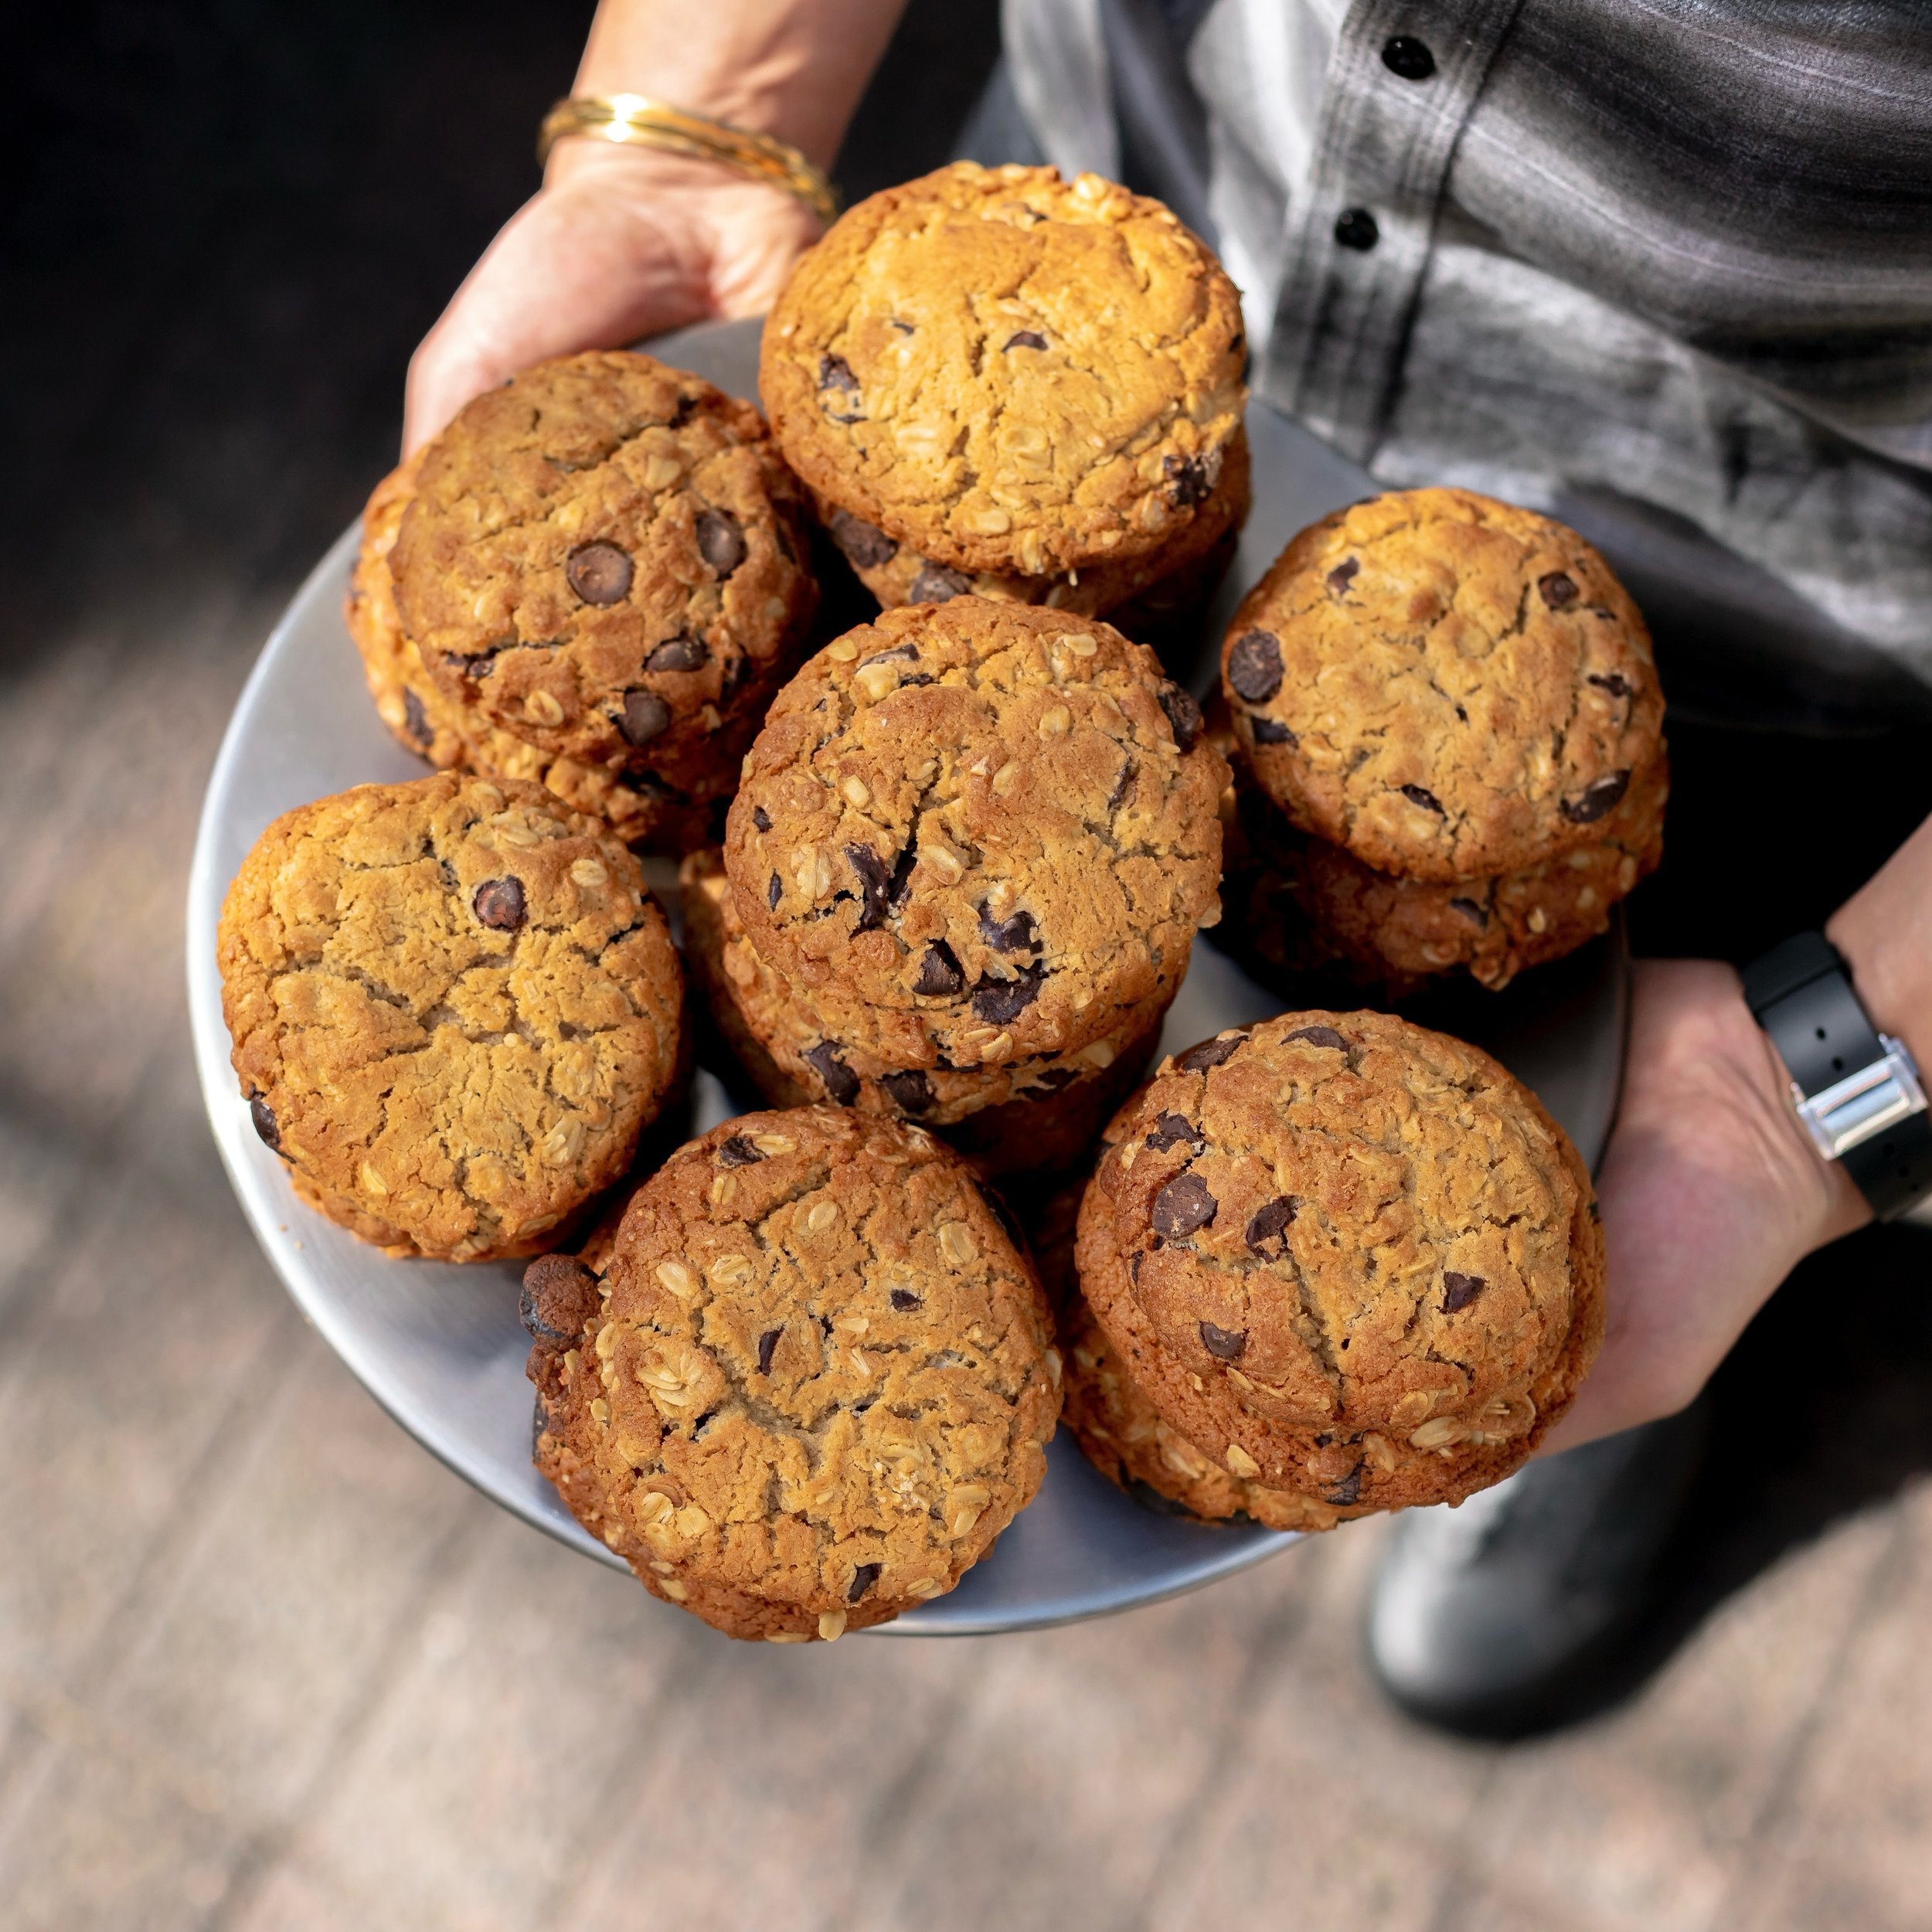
x,y
1856,1090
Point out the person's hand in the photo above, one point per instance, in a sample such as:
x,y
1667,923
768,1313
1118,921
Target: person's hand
x,y
1710,1192
620,244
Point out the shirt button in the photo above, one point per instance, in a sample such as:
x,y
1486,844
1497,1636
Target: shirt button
x,y
1355,228
1407,56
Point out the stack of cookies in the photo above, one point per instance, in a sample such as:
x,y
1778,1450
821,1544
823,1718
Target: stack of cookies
x,y
1449,734
1332,1263
996,382
962,874
811,1383
592,580
454,1008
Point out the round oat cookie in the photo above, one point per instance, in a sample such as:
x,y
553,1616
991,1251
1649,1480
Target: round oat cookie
x,y
815,1382
977,832
1369,1259
454,1007
1403,930
453,733
602,559
1027,1115
1446,686
1004,371
1150,591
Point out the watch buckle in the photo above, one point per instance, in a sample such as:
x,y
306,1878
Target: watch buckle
x,y
1851,1111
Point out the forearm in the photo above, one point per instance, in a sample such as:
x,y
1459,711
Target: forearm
x,y
791,68
1885,932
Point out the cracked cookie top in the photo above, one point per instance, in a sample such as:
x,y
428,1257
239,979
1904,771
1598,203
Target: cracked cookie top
x,y
1447,686
816,1383
1360,1246
974,831
603,558
454,1007
1009,372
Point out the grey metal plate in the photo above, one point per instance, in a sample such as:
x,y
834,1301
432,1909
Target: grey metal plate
x,y
440,1347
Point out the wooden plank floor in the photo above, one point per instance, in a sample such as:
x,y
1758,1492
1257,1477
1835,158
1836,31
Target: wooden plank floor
x,y
265,1667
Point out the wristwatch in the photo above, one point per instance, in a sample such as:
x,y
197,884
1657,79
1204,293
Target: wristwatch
x,y
1856,1090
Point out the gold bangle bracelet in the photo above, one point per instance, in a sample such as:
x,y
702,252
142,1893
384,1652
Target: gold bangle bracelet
x,y
635,121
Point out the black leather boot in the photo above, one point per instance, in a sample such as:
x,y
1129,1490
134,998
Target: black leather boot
x,y
1513,1613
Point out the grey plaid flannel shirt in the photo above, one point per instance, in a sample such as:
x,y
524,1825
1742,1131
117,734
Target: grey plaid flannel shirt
x,y
1661,267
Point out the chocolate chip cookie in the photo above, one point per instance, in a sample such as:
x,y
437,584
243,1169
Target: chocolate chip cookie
x,y
977,833
603,560
1036,1113
1445,686
1367,1261
454,1007
1399,932
452,733
999,372
814,1383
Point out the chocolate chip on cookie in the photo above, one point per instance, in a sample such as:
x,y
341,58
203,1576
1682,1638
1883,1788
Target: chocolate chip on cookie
x,y
498,904
1254,665
865,545
841,1083
558,1295
1225,1345
935,583
1182,1207
720,542
677,654
600,573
